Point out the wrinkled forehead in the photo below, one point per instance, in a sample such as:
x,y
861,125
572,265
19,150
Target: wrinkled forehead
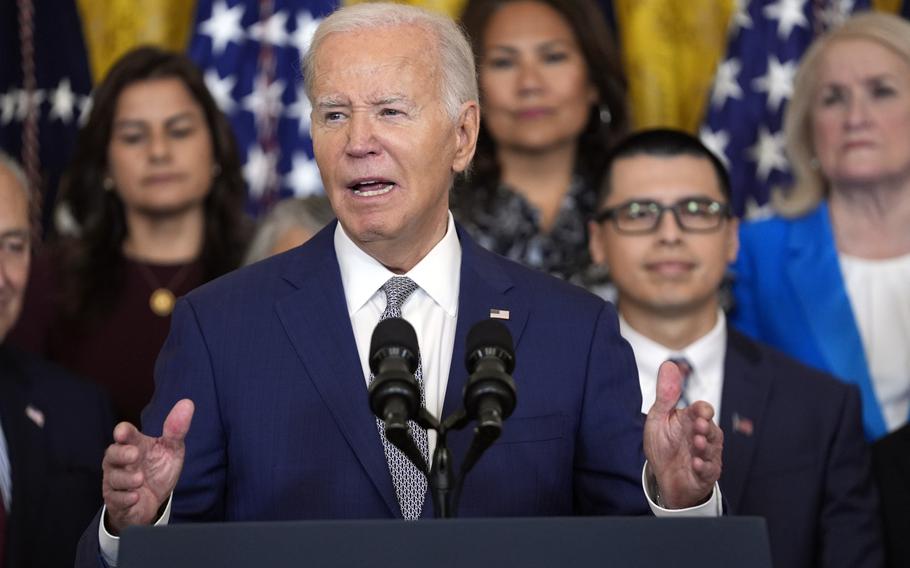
x,y
356,57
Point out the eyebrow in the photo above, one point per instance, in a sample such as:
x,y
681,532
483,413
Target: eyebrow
x,y
24,233
336,102
140,123
564,43
873,79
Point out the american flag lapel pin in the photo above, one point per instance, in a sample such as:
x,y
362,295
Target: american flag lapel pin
x,y
35,415
742,425
497,313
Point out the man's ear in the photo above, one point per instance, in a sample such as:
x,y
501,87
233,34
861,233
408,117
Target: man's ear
x,y
467,127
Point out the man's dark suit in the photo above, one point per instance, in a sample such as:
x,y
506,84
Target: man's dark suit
x,y
56,430
891,464
282,428
794,452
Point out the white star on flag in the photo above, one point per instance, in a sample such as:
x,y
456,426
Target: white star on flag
x,y
768,153
8,107
259,166
304,178
300,110
265,100
303,35
725,83
63,102
741,18
223,26
221,89
24,102
789,14
777,82
717,142
272,31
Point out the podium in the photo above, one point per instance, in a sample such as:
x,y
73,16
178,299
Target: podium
x,y
577,542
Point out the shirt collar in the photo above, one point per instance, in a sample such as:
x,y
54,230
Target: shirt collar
x,y
706,352
438,273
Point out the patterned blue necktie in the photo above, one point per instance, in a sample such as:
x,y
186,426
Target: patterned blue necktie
x,y
686,369
410,483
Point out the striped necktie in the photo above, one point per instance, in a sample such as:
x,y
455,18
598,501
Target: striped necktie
x,y
410,483
686,369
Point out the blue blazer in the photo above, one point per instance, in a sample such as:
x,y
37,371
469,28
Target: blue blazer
x,y
57,428
789,292
283,429
794,453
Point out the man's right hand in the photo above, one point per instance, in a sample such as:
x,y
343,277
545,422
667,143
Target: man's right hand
x,y
140,472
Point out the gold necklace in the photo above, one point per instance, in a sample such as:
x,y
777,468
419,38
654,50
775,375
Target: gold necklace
x,y
162,298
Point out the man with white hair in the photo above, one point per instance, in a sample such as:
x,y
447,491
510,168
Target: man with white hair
x,y
270,363
53,427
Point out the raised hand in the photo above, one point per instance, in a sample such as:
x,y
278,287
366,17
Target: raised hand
x,y
683,446
140,472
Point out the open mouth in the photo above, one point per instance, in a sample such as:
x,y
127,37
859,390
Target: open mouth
x,y
371,187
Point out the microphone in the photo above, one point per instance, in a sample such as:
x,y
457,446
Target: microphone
x,y
489,395
394,393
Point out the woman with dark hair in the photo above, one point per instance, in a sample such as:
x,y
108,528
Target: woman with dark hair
x,y
156,193
553,101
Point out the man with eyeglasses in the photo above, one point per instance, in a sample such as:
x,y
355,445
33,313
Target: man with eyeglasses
x,y
794,450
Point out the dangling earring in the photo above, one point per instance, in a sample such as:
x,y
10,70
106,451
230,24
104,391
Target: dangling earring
x,y
813,163
604,112
107,183
216,170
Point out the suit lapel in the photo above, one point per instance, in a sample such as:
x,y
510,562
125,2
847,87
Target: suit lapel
x,y
814,271
743,403
315,318
484,286
25,447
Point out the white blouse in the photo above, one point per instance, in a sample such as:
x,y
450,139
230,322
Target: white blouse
x,y
879,292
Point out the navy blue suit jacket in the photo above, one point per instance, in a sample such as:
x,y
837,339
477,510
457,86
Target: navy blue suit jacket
x,y
794,453
56,430
283,429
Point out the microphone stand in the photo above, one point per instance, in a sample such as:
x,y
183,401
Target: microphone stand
x,y
444,485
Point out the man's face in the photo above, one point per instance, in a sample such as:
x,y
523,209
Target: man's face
x,y
668,271
384,144
14,250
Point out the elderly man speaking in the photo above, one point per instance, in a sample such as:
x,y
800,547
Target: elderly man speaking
x,y
260,410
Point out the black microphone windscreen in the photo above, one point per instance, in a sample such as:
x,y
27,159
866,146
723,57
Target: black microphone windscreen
x,y
489,333
392,332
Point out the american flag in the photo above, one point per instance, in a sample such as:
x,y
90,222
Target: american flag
x,y
752,86
44,88
250,52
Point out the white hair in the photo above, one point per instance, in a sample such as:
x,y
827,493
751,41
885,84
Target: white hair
x,y
309,213
456,60
15,170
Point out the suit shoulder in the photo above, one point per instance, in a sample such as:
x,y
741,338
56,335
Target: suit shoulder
x,y
788,373
545,288
56,390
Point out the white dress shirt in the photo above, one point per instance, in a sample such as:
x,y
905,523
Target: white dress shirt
x,y
706,356
433,311
879,292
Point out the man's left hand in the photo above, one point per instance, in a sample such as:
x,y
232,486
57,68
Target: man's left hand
x,y
683,446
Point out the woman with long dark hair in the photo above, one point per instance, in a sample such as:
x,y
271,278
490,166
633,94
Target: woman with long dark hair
x,y
552,102
156,194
